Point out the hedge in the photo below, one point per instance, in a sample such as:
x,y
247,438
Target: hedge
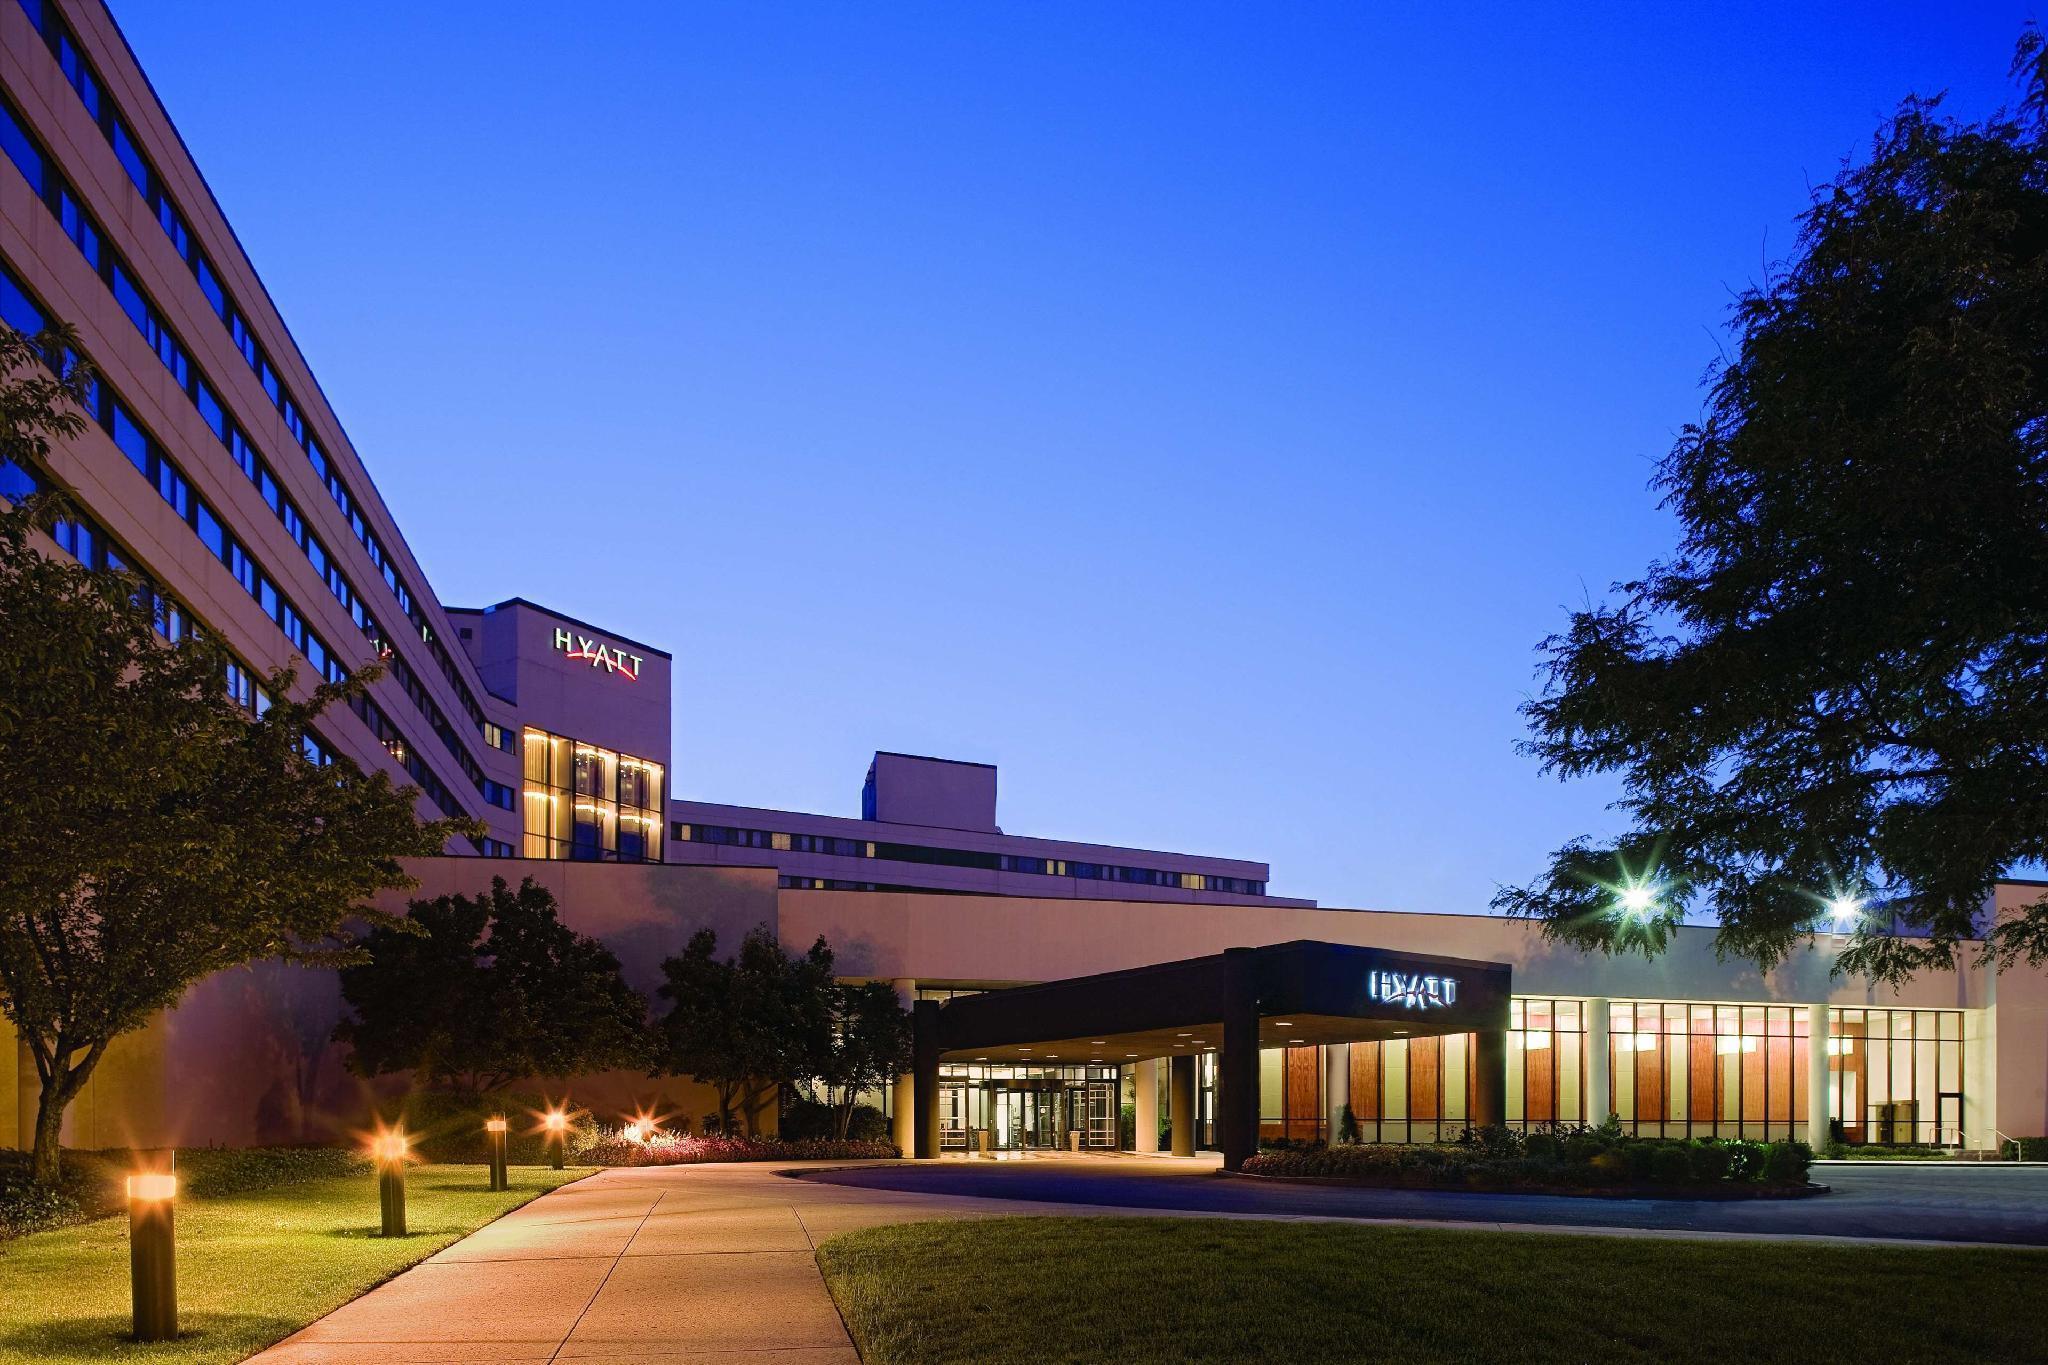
x,y
1574,1159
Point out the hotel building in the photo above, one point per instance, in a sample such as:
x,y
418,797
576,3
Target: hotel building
x,y
215,469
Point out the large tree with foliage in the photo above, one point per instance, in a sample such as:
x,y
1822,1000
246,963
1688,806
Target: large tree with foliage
x,y
153,832
475,992
867,1046
747,1025
1830,705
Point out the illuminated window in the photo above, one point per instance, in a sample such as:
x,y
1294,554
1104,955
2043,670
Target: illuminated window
x,y
588,803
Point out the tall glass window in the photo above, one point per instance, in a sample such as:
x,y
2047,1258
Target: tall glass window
x,y
1687,1069
1896,1076
1411,1089
1546,1048
589,803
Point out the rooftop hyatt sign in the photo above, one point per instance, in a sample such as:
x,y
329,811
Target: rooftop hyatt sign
x,y
610,658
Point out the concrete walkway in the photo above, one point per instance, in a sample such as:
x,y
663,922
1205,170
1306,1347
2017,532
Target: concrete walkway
x,y
669,1266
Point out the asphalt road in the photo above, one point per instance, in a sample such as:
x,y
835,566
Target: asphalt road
x,y
1877,1199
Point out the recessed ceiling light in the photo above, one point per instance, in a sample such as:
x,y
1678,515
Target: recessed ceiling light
x,y
1180,1044
1283,1023
1098,1042
1183,1035
1300,1040
1130,1054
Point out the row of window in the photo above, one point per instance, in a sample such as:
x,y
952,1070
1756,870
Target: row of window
x,y
85,541
932,855
154,463
85,233
100,107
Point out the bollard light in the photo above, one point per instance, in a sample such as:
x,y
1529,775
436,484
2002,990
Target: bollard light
x,y
389,1149
153,1255
557,1125
494,1129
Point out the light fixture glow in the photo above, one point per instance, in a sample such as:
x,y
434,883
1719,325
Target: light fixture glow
x,y
555,1120
1638,900
150,1185
1845,908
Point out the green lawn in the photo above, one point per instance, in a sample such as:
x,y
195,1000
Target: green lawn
x,y
251,1267
1046,1290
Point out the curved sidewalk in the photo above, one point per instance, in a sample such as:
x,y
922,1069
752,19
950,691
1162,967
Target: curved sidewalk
x,y
680,1265
667,1265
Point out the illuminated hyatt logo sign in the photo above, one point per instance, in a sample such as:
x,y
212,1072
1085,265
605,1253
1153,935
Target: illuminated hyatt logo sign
x,y
1412,992
610,658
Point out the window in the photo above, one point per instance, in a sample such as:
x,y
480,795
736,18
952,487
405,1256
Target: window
x,y
589,803
1546,1048
1691,1069
1896,1076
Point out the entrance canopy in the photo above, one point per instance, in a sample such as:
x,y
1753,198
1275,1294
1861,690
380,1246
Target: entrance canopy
x,y
1232,1003
1306,992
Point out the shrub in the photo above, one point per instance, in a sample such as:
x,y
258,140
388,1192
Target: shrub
x,y
604,1146
1609,1165
209,1172
1708,1160
1495,1142
1745,1159
1670,1164
1786,1163
804,1120
1580,1148
2027,1149
1642,1159
1541,1147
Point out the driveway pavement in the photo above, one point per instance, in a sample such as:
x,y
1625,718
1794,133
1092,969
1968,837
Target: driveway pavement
x,y
1910,1201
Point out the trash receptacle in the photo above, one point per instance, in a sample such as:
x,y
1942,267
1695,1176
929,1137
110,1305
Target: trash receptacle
x,y
1073,1139
981,1140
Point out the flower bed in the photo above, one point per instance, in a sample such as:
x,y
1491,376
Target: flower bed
x,y
1581,1161
604,1146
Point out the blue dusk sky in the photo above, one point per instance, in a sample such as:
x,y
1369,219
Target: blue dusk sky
x,y
1200,411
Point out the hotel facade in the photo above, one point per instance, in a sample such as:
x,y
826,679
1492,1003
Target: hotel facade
x,y
214,468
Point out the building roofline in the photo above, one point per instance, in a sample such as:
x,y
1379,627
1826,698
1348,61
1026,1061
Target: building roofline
x,y
933,758
565,617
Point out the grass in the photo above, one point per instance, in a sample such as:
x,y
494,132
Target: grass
x,y
253,1266
1047,1290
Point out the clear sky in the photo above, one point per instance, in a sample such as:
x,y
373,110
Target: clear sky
x,y
1200,411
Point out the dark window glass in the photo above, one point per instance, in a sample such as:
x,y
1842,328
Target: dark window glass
x,y
209,530
131,300
130,158
129,437
20,150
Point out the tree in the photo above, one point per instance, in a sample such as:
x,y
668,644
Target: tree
x,y
747,1026
1831,698
154,832
476,992
868,1046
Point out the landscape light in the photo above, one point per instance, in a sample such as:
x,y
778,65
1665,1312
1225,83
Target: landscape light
x,y
557,1124
494,1131
389,1149
153,1255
